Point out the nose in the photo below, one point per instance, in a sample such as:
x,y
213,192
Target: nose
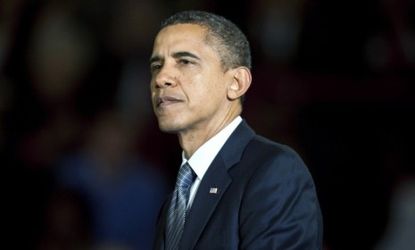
x,y
166,77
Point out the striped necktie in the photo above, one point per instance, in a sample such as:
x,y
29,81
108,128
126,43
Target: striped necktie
x,y
177,211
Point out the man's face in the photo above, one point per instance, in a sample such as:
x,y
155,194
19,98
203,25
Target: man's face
x,y
188,84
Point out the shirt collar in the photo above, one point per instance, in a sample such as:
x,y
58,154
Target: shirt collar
x,y
205,154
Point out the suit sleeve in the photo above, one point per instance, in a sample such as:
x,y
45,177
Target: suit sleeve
x,y
280,209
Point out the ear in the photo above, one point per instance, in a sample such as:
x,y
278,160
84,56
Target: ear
x,y
240,82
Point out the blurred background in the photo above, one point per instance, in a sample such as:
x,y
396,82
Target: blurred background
x,y
87,168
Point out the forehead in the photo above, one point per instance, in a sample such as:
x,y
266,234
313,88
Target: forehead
x,y
181,35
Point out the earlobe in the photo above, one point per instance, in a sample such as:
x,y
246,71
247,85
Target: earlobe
x,y
240,82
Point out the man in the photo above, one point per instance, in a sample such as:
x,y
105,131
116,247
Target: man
x,y
235,189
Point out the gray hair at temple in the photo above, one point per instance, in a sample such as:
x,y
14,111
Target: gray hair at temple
x,y
230,42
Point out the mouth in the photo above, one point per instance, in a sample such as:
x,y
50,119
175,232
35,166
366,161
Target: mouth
x,y
163,101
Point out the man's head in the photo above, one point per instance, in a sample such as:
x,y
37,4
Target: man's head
x,y
222,34
198,75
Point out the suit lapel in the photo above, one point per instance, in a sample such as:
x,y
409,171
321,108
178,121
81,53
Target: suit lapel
x,y
161,226
205,203
214,185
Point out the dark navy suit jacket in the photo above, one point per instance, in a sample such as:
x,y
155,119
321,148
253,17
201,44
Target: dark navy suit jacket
x,y
265,199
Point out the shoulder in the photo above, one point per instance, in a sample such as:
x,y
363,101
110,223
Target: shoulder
x,y
247,153
266,162
278,196
264,151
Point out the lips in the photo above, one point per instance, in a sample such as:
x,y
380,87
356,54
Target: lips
x,y
163,101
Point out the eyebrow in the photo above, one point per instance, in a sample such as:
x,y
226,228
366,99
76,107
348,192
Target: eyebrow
x,y
155,59
176,55
185,54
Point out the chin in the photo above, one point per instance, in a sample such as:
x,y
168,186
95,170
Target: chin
x,y
169,127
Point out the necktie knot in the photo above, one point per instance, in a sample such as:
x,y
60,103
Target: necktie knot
x,y
185,177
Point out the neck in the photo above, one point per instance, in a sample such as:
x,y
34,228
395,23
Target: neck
x,y
191,140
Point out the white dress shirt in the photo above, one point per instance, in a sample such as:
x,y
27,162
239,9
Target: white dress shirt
x,y
203,157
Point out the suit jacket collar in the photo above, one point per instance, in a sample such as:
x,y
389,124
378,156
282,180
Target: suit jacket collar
x,y
216,178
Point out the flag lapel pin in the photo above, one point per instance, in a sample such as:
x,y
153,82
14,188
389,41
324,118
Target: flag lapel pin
x,y
213,190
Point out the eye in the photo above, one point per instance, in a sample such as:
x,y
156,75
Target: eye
x,y
184,61
155,67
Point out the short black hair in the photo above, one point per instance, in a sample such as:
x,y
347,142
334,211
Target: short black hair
x,y
231,43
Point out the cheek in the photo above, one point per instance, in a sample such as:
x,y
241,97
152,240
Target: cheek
x,y
204,87
152,83
193,85
217,87
152,93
